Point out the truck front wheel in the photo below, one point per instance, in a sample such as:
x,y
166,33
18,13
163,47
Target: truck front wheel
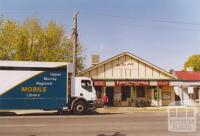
x,y
79,108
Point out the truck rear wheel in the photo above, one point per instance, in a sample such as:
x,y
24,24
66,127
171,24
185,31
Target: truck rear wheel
x,y
79,108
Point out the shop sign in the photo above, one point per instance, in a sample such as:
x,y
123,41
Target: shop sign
x,y
190,90
175,83
125,65
153,83
110,83
99,83
163,83
185,84
191,83
132,83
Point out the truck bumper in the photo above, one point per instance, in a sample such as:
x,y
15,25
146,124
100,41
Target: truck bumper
x,y
91,105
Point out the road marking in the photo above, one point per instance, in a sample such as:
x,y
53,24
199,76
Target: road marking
x,y
41,125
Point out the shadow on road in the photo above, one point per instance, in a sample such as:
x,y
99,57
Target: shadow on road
x,y
8,114
53,114
115,134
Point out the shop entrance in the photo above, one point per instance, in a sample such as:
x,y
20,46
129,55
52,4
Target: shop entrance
x,y
110,94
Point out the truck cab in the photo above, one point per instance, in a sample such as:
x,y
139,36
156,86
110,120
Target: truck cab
x,y
83,95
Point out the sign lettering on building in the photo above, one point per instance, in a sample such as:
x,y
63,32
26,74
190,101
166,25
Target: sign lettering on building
x,y
99,83
163,83
125,65
153,83
132,83
110,83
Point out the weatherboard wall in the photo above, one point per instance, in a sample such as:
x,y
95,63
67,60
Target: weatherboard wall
x,y
125,67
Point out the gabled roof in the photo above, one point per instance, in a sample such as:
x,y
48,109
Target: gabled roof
x,y
188,75
131,55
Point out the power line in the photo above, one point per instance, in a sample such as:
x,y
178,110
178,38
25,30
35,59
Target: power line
x,y
144,26
102,14
113,16
144,19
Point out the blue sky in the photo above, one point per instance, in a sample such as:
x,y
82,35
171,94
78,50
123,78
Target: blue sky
x,y
163,32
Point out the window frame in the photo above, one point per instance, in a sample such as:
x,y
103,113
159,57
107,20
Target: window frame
x,y
125,93
86,87
139,90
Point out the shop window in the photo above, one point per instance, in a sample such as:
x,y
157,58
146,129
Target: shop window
x,y
140,91
125,92
98,91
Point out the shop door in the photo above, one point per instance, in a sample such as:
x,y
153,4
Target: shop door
x,y
110,94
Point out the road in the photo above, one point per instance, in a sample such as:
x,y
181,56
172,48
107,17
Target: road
x,y
129,124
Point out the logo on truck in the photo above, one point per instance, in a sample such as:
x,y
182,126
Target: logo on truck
x,y
34,89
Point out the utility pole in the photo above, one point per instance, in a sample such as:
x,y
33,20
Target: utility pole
x,y
74,38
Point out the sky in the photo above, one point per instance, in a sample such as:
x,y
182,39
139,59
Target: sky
x,y
163,32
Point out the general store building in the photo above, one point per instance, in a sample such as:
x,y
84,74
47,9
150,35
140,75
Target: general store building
x,y
126,78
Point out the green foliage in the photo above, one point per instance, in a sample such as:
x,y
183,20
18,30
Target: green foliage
x,y
30,41
193,62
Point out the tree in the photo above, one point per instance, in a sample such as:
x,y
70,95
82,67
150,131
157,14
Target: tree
x,y
193,62
7,38
30,41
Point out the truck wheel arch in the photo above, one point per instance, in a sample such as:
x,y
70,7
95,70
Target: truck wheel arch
x,y
79,108
75,100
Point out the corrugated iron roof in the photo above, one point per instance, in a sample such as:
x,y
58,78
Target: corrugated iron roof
x,y
188,75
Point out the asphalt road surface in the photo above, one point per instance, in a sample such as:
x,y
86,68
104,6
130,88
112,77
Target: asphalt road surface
x,y
129,124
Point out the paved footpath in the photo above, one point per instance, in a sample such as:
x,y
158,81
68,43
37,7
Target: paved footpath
x,y
119,124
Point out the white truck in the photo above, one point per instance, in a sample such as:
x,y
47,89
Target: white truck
x,y
44,85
